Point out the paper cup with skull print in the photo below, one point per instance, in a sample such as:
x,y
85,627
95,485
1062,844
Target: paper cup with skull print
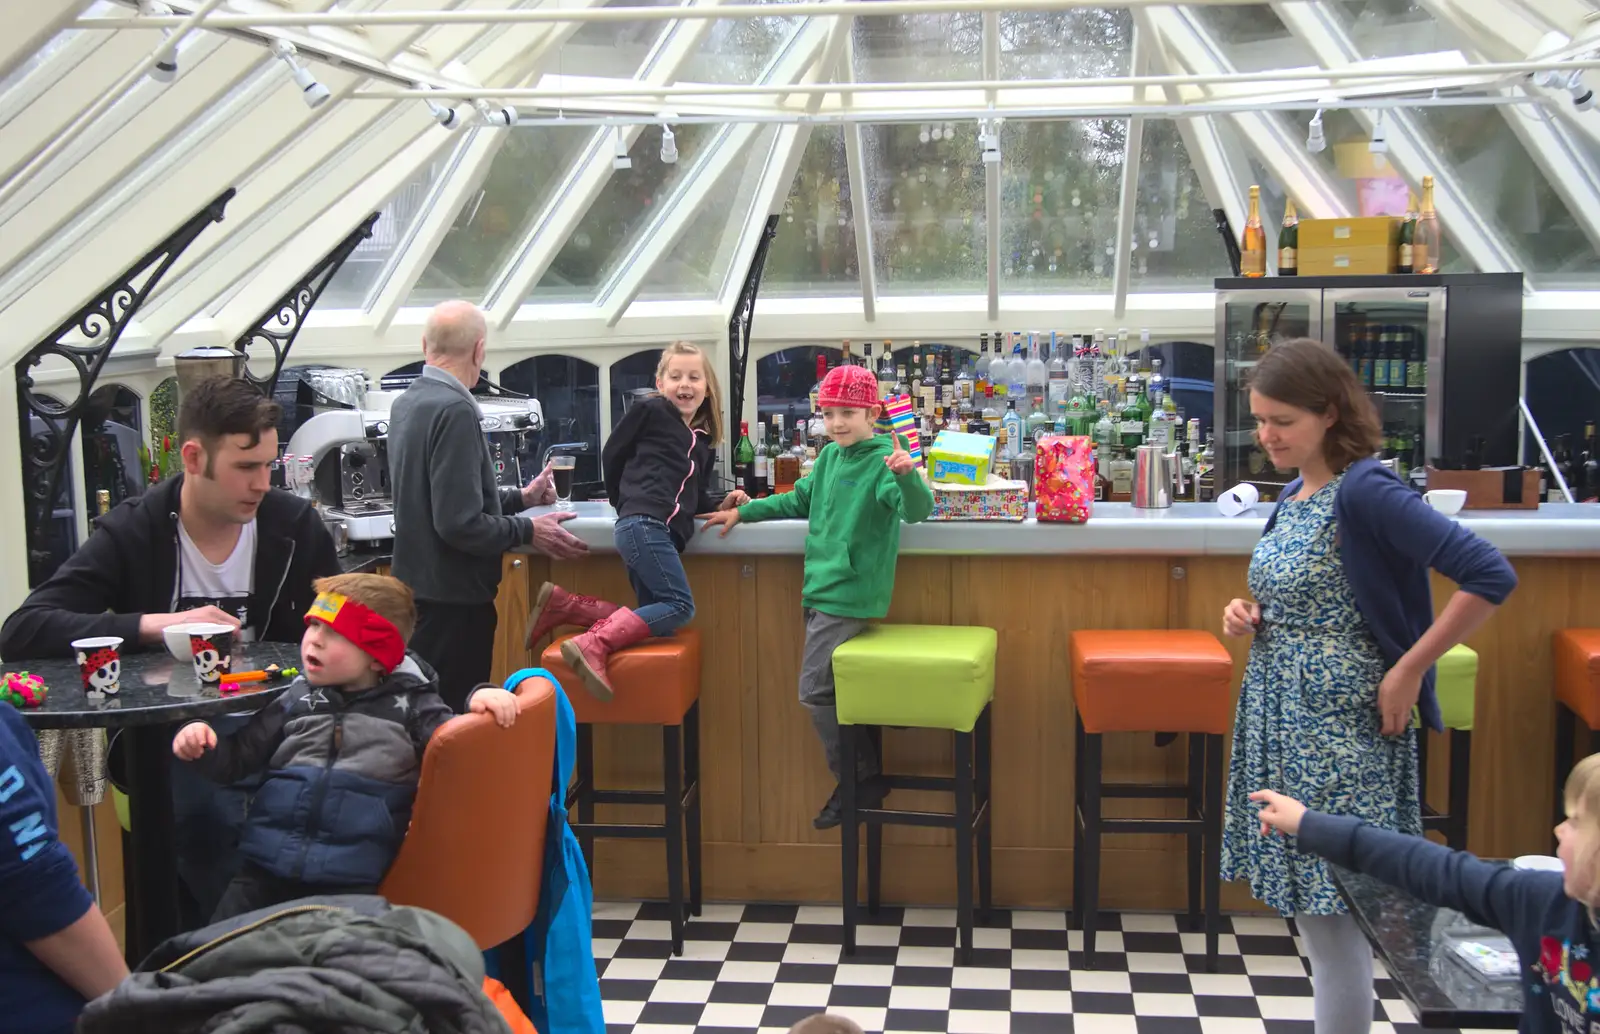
x,y
100,663
212,649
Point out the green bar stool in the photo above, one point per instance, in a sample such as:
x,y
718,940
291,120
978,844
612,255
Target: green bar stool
x,y
1456,682
923,677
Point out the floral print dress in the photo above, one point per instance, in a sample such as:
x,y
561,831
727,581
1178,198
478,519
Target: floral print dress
x,y
1307,723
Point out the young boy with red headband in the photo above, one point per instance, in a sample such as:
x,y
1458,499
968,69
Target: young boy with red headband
x,y
345,745
854,500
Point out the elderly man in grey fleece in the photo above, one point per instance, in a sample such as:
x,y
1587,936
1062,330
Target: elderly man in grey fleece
x,y
453,521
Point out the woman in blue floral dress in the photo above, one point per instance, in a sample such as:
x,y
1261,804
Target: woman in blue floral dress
x,y
1345,642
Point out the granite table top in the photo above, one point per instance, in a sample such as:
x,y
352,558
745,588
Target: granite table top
x,y
1408,937
156,690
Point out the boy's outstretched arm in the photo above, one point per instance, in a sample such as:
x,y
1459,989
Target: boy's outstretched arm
x,y
905,490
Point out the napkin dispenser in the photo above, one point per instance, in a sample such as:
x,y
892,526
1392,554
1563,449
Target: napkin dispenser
x,y
1491,488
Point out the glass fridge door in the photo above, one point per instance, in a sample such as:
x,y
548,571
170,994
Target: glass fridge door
x,y
1248,322
1392,338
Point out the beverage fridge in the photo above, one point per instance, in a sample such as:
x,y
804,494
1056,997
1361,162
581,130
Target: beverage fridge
x,y
1440,356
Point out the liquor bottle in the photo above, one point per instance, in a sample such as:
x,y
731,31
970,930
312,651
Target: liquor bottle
x,y
816,389
885,372
1408,236
745,460
1017,371
888,357
844,353
991,414
1253,247
1011,424
810,462
1365,357
866,358
1289,242
102,500
1397,359
916,380
946,380
1380,361
762,470
1416,363
1132,426
980,372
1039,422
1058,377
1205,472
1428,241
1591,467
775,451
1121,475
964,384
1158,387
1036,373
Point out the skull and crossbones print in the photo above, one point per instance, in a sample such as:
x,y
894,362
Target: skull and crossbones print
x,y
209,663
101,669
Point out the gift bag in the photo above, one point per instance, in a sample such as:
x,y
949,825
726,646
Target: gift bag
x,y
899,418
1063,478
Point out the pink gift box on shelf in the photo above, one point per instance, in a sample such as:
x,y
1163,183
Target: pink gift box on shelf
x,y
1063,478
900,418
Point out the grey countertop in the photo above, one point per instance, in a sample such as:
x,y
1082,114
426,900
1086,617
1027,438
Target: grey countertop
x,y
1185,529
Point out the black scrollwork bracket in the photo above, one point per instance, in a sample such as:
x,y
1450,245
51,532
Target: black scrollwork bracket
x,y
85,341
280,325
744,316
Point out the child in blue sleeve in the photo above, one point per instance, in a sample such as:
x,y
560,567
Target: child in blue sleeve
x,y
56,951
1548,916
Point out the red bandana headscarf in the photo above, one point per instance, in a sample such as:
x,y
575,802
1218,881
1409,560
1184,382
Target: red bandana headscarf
x,y
363,626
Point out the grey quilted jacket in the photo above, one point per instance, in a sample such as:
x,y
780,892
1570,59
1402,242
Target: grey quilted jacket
x,y
329,965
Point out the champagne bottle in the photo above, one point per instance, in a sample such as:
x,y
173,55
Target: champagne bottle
x,y
1428,240
1253,248
1408,236
745,457
1289,242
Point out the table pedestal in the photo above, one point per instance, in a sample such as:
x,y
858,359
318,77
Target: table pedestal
x,y
148,865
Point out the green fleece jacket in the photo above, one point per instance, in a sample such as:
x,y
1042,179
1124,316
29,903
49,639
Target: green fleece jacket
x,y
853,505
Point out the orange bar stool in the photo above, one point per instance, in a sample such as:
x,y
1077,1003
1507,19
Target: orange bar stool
x,y
1577,664
1165,681
656,683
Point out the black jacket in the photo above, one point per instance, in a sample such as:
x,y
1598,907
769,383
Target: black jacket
x,y
656,466
129,568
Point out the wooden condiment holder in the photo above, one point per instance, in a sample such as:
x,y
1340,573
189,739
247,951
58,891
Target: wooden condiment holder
x,y
1493,488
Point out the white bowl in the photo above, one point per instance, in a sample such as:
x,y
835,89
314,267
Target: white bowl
x,y
1538,863
1447,501
177,638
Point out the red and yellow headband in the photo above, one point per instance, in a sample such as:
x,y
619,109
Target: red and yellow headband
x,y
360,624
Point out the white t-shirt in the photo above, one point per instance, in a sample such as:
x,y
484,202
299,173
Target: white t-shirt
x,y
226,586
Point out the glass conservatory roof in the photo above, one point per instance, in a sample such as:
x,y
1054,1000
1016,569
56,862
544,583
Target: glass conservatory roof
x,y
1121,129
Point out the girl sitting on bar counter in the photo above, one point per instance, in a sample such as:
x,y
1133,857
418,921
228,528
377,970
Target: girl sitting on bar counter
x,y
1547,915
657,462
1345,645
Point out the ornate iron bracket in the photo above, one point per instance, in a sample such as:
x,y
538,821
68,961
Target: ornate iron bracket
x,y
85,342
280,325
744,315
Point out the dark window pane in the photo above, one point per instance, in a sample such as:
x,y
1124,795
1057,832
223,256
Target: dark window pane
x,y
569,391
632,377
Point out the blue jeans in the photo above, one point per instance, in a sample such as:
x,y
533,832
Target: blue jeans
x,y
666,603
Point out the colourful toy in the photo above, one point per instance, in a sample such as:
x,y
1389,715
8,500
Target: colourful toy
x,y
23,689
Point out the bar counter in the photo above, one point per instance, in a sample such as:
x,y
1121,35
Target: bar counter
x,y
763,774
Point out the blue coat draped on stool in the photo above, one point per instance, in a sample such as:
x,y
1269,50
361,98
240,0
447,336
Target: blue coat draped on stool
x,y
565,995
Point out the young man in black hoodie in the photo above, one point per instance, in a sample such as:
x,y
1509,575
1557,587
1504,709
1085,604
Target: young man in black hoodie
x,y
215,543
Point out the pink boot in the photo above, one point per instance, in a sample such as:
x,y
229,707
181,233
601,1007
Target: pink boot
x,y
555,606
587,654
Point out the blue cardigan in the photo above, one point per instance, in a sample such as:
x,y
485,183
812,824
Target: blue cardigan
x,y
1555,942
1388,538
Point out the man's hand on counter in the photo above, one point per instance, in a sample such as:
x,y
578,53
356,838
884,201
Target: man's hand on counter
x,y
541,491
151,626
554,541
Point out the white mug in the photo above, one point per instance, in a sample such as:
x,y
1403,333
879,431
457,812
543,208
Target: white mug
x,y
1238,499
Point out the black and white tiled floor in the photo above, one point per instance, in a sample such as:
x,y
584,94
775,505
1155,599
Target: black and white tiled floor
x,y
758,969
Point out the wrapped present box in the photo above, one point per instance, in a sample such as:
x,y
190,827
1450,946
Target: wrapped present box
x,y
1063,478
960,458
997,499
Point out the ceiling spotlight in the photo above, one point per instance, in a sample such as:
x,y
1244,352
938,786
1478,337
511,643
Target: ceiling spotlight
x,y
989,141
1316,142
312,92
504,115
1582,96
446,117
619,158
165,70
669,146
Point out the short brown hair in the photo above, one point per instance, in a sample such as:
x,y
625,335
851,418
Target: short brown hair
x,y
220,406
387,597
1307,374
826,1023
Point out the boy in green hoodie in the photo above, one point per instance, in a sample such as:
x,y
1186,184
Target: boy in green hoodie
x,y
860,490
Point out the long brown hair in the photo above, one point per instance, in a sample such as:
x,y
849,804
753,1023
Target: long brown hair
x,y
1307,374
708,417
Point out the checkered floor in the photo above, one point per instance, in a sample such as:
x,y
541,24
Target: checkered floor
x,y
761,968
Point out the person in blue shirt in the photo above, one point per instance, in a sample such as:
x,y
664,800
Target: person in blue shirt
x,y
56,950
1548,916
1346,638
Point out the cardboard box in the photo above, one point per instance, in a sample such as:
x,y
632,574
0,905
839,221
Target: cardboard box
x,y
1369,261
996,500
960,458
1349,247
1493,488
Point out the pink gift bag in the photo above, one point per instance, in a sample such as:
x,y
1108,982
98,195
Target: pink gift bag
x,y
1063,478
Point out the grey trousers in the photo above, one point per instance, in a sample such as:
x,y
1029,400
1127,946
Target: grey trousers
x,y
824,634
